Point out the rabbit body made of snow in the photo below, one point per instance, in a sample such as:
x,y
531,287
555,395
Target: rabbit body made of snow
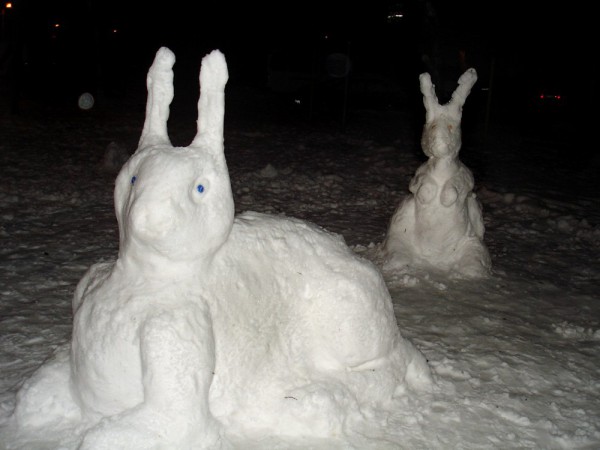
x,y
209,322
439,224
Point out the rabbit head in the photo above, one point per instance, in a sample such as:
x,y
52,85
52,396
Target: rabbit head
x,y
176,202
442,135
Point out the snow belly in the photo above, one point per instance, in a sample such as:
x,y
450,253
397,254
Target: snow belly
x,y
439,229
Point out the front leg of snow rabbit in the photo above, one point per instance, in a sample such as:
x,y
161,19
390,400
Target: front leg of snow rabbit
x,y
178,359
475,215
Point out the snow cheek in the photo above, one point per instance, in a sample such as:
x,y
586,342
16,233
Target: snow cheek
x,y
452,140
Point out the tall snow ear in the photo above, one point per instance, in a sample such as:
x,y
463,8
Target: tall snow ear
x,y
160,94
465,83
430,100
211,105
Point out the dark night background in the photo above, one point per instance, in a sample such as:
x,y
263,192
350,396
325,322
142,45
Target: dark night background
x,y
519,49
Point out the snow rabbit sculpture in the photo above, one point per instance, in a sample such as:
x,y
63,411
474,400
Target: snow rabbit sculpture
x,y
207,323
439,225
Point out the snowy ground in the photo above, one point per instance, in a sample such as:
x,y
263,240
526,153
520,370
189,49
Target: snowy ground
x,y
516,355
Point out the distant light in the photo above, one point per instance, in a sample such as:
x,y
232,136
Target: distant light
x,y
395,16
115,31
85,101
57,25
8,5
556,97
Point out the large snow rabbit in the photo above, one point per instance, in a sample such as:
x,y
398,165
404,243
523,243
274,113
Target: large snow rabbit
x,y
206,322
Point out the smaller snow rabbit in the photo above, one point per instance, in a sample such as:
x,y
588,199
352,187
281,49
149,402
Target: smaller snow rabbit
x,y
439,225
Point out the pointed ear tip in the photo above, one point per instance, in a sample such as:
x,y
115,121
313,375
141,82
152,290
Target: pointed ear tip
x,y
425,80
165,56
215,55
214,64
471,71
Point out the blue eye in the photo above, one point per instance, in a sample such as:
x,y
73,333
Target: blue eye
x,y
200,188
133,178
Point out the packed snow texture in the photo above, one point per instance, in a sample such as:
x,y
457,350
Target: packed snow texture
x,y
513,355
199,306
